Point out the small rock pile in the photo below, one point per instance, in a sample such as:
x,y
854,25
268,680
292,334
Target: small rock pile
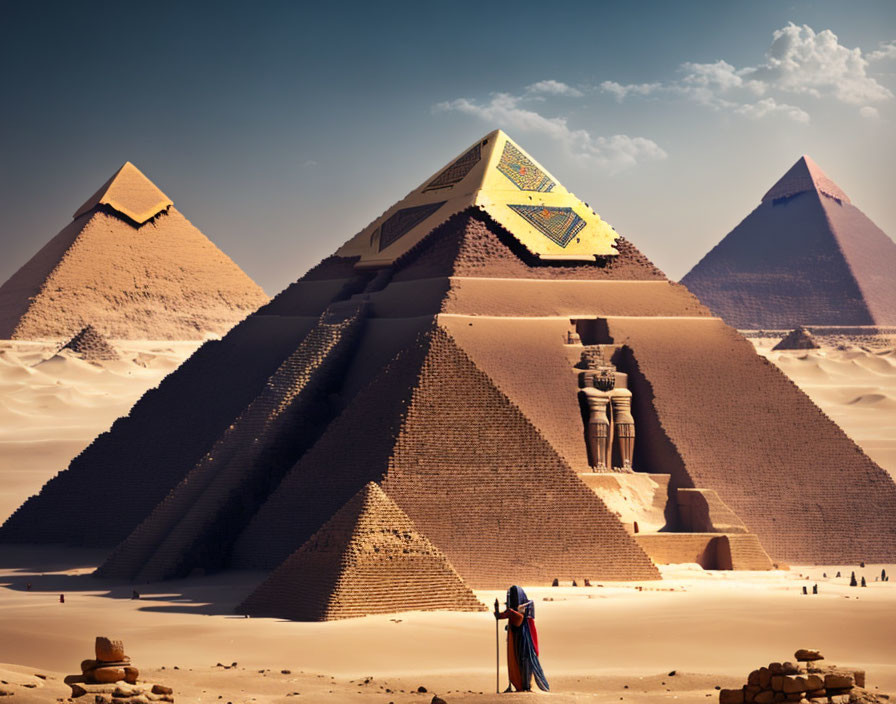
x,y
112,679
808,682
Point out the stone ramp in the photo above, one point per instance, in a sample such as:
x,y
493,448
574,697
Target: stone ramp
x,y
465,464
717,416
369,558
712,551
194,526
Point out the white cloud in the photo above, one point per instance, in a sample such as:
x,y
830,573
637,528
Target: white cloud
x,y
869,112
798,62
623,91
552,87
801,61
887,51
768,106
615,152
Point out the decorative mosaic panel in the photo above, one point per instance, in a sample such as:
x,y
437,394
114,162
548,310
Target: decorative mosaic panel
x,y
557,224
403,221
456,172
525,175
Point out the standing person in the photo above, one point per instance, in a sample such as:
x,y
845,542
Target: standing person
x,y
522,642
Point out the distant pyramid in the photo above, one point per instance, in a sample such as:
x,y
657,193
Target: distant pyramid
x,y
797,339
437,354
130,265
90,345
369,558
805,255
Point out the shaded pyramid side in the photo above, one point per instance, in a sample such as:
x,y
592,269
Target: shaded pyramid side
x,y
715,415
781,267
194,526
369,558
805,175
465,464
91,345
871,256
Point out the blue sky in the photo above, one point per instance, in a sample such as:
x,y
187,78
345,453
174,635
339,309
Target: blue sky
x,y
282,128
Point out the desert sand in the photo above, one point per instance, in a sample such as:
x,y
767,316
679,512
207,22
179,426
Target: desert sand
x,y
53,404
854,384
608,642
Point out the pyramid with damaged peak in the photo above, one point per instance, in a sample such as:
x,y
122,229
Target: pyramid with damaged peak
x,y
439,354
132,266
805,255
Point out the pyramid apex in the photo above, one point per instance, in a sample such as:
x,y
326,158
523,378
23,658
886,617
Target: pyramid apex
x,y
805,175
497,176
130,193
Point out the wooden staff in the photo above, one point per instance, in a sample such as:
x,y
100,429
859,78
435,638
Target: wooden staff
x,y
497,652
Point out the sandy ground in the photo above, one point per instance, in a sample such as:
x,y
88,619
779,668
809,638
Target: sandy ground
x,y
853,385
599,643
53,405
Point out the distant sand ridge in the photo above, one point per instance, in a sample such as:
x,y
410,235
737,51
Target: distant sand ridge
x,y
805,256
132,266
484,390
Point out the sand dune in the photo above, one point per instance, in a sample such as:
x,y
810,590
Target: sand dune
x,y
52,404
854,385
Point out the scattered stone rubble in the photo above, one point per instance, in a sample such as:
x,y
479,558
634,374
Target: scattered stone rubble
x,y
111,679
809,682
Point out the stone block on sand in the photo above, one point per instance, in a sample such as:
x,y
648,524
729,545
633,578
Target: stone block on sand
x,y
109,650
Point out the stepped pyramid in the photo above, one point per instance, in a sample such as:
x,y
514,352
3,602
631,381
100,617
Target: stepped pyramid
x,y
806,255
443,367
369,558
130,265
90,345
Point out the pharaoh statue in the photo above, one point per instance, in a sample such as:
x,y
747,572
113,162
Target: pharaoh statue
x,y
610,421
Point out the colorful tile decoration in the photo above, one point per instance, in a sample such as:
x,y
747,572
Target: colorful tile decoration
x,y
558,224
403,221
525,175
456,172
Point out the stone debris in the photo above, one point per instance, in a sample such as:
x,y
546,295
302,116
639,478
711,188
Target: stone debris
x,y
807,681
110,677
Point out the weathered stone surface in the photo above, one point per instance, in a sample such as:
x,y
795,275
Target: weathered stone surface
x,y
859,677
838,680
777,683
807,655
765,677
161,689
764,697
731,696
107,675
753,677
791,684
109,650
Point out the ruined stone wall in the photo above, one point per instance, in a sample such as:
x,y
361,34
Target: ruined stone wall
x,y
740,427
195,525
132,467
472,244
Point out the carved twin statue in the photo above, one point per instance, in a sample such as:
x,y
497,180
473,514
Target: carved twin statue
x,y
609,414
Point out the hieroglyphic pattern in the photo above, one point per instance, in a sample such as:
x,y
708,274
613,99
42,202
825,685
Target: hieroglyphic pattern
x,y
403,221
522,172
457,171
559,225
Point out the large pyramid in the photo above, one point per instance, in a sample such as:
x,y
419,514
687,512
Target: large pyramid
x,y
805,256
455,360
132,266
369,558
